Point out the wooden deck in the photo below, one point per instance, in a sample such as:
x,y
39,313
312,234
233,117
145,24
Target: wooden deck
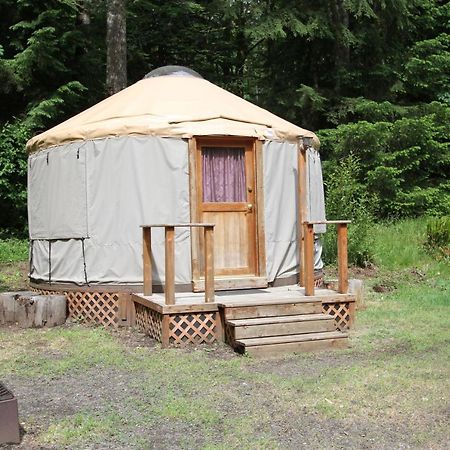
x,y
185,302
265,322
251,319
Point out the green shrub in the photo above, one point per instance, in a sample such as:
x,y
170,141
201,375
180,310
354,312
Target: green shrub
x,y
404,162
13,250
438,235
13,177
347,199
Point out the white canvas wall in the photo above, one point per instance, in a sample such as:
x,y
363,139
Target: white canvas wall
x,y
126,182
101,191
315,194
280,203
66,262
135,181
57,206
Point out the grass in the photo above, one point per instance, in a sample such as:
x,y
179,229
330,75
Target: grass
x,y
390,390
12,250
63,352
400,245
80,429
415,312
13,264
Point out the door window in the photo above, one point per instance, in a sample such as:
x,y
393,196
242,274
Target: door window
x,y
223,175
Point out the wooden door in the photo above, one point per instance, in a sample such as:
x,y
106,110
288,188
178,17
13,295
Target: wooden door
x,y
226,197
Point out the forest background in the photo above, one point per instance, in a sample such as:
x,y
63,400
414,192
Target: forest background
x,y
371,77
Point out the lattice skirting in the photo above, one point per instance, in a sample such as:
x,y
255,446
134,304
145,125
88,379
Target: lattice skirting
x,y
94,307
45,291
178,329
193,328
149,321
343,313
97,307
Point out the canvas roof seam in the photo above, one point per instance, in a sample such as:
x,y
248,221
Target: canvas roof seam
x,y
39,150
221,116
177,133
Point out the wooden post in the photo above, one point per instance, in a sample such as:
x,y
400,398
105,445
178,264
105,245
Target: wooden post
x,y
209,264
147,260
124,309
193,202
220,324
302,211
131,313
170,264
342,258
260,227
165,331
309,258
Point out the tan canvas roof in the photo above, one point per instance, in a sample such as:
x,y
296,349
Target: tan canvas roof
x,y
171,106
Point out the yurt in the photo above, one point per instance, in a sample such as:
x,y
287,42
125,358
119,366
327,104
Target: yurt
x,y
171,148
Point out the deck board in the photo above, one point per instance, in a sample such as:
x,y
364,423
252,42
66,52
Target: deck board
x,y
291,338
190,301
280,319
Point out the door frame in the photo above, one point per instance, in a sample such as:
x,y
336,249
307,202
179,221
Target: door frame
x,y
228,281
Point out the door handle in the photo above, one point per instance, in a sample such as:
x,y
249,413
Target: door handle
x,y
249,208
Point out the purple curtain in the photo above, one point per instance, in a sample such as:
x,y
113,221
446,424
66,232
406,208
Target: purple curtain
x,y
223,172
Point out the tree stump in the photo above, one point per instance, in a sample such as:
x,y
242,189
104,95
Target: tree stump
x,y
28,310
356,287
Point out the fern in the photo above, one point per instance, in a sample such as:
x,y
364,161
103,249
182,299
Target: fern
x,y
50,109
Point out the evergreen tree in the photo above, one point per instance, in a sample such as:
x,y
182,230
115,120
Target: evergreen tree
x,y
370,76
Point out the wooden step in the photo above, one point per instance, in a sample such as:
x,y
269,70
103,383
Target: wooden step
x,y
255,300
274,350
271,310
283,325
276,319
290,338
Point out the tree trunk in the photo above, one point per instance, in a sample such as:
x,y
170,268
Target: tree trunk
x,y
341,21
116,46
84,15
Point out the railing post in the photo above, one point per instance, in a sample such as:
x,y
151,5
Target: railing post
x,y
209,263
147,260
342,258
301,210
309,258
169,232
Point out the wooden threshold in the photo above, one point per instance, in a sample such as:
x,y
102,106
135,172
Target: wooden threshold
x,y
230,283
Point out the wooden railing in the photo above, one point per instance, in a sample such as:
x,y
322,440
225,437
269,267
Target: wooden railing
x,y
169,233
308,260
